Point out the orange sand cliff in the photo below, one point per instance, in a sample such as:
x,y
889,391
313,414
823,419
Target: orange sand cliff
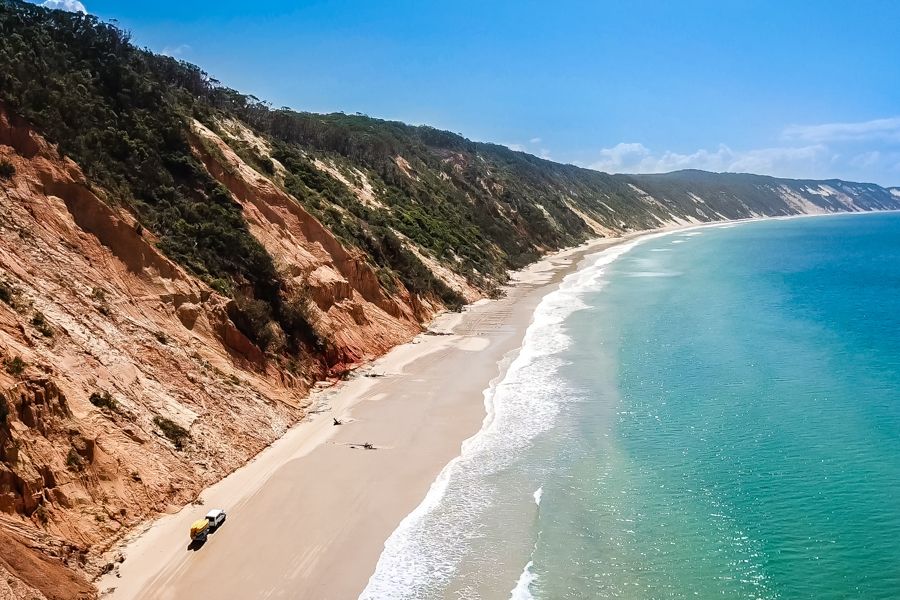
x,y
120,321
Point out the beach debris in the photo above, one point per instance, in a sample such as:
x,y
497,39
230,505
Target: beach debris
x,y
337,421
364,446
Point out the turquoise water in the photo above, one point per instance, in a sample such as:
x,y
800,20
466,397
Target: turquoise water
x,y
713,414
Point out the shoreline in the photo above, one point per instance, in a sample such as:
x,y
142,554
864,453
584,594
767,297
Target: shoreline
x,y
318,526
344,502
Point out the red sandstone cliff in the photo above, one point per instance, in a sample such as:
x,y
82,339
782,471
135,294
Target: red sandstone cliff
x,y
125,386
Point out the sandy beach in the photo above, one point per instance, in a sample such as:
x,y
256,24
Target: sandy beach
x,y
308,517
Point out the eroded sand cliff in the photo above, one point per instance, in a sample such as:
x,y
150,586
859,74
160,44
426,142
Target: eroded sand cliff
x,y
126,387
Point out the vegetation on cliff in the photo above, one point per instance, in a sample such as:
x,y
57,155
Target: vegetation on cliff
x,y
165,160
404,196
120,113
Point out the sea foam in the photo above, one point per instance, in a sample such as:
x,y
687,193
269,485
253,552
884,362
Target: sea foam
x,y
522,591
421,556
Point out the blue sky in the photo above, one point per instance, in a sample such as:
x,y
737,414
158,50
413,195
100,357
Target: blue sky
x,y
789,88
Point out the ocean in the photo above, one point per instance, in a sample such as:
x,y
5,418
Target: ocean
x,y
712,413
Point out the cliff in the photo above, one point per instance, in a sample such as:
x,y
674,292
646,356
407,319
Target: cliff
x,y
126,386
180,264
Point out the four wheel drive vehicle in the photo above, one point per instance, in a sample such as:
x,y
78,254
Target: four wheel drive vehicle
x,y
202,528
215,517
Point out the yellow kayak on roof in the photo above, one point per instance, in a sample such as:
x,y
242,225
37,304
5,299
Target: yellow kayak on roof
x,y
199,529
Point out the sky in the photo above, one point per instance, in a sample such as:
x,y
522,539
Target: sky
x,y
806,89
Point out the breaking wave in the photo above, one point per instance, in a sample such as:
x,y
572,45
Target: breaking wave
x,y
421,556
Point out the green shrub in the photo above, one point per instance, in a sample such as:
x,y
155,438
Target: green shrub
x,y
122,114
7,293
177,434
253,318
7,170
40,323
297,316
16,366
103,399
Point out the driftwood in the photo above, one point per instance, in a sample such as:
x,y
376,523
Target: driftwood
x,y
365,446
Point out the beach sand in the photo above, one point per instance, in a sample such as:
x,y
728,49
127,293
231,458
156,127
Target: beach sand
x,y
308,517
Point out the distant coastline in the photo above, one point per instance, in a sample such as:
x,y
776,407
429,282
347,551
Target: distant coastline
x,y
411,404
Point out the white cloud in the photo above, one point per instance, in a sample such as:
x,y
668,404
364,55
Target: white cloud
x,y
69,5
621,156
866,159
856,151
637,158
175,51
524,147
877,129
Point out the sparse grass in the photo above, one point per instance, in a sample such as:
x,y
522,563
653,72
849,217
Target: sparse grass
x,y
41,514
177,434
103,399
15,366
41,324
295,366
7,170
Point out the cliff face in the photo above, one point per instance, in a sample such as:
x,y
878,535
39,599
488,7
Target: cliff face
x,y
179,264
126,387
348,306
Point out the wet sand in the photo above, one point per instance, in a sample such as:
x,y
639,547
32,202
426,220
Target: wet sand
x,y
308,517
